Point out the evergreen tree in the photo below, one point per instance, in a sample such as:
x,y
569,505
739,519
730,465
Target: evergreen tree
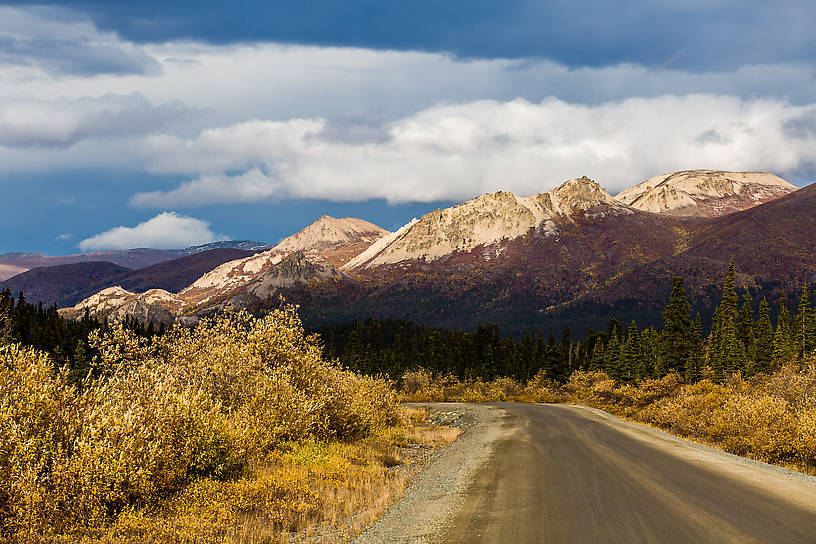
x,y
694,361
596,362
764,350
810,329
801,325
745,328
784,339
677,329
612,359
728,349
632,367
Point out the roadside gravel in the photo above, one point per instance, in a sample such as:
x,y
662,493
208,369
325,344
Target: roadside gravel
x,y
436,493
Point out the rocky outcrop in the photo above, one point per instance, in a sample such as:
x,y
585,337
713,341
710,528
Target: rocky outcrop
x,y
115,304
704,193
301,258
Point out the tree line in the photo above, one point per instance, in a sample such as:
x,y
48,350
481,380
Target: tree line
x,y
742,338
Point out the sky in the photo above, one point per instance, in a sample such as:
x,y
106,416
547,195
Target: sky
x,y
168,124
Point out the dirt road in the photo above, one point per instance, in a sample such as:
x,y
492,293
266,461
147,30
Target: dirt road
x,y
567,474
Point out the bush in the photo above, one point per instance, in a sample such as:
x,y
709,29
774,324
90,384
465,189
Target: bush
x,y
193,405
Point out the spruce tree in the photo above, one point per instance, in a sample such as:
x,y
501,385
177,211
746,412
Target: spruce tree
x,y
612,359
677,329
764,348
694,361
784,339
728,349
631,360
801,325
810,329
745,329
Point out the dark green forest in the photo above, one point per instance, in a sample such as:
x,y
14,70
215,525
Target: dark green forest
x,y
742,338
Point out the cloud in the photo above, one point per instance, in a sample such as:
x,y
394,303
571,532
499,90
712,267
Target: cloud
x,y
64,236
59,41
165,231
584,33
62,123
453,152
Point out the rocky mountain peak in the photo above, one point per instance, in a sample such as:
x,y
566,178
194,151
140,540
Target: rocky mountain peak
x,y
705,193
328,231
581,194
486,220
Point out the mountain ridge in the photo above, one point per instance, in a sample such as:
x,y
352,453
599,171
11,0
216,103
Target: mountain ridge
x,y
522,261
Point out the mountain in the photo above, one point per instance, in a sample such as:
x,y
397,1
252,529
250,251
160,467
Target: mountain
x,y
115,304
306,257
12,264
574,256
327,240
484,221
597,262
68,284
704,193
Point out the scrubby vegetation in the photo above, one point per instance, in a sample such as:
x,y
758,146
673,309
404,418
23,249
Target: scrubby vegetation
x,y
198,435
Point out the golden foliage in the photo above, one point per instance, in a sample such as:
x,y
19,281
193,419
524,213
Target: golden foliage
x,y
192,418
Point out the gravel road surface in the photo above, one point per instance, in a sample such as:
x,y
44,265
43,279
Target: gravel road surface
x,y
568,474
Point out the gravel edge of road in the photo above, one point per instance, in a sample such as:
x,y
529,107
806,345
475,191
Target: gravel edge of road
x,y
435,494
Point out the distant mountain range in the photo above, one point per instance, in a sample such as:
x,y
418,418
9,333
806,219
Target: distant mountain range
x,y
12,264
572,256
67,284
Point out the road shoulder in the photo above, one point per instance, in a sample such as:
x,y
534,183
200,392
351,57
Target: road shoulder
x,y
437,492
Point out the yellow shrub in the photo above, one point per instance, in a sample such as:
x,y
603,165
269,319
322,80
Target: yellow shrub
x,y
194,405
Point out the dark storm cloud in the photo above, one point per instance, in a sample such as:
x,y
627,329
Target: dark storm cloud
x,y
690,34
354,130
61,41
75,56
803,126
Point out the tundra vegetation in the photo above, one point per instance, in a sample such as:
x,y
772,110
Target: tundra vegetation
x,y
235,431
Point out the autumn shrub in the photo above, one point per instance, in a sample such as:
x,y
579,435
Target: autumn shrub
x,y
195,405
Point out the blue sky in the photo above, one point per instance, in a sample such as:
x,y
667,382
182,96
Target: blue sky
x,y
250,120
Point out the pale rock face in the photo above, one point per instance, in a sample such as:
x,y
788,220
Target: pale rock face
x,y
328,231
302,257
706,193
485,220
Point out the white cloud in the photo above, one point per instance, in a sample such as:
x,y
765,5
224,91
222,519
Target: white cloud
x,y
452,152
165,231
277,120
62,123
64,236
